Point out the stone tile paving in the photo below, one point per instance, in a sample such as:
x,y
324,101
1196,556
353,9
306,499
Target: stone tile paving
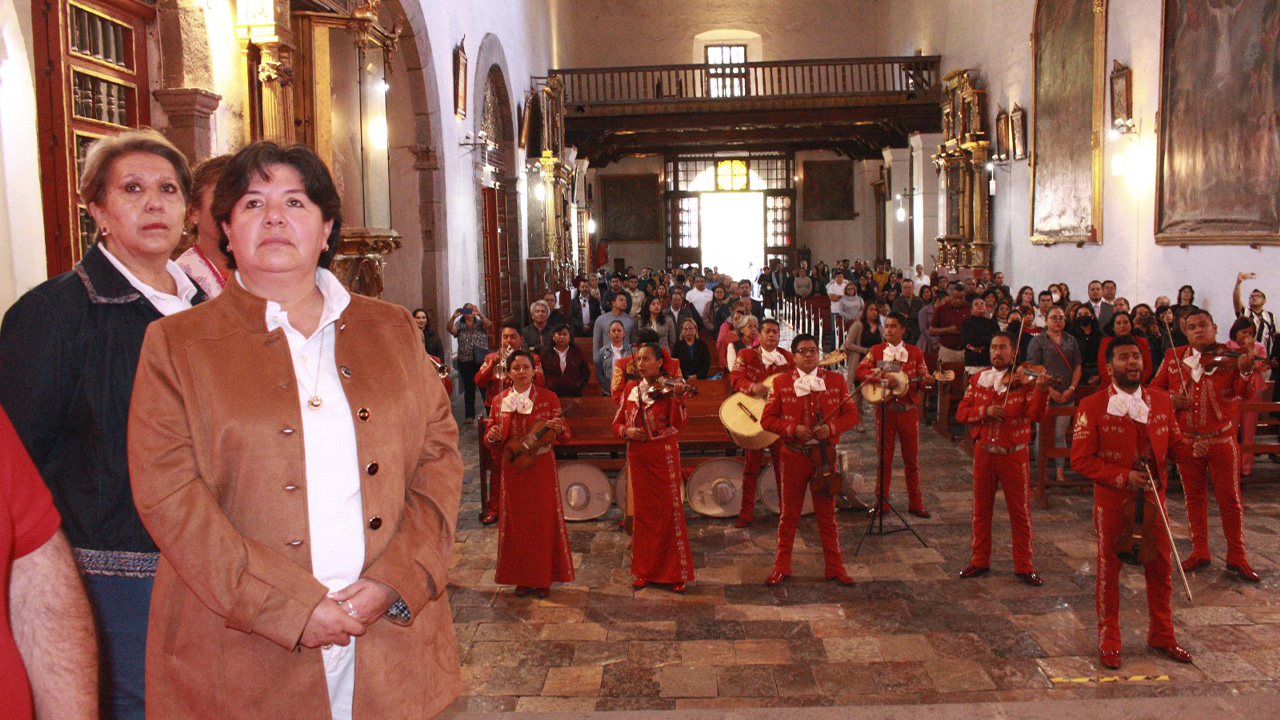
x,y
909,631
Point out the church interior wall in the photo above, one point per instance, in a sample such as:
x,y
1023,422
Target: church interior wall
x,y
831,240
991,36
640,254
22,256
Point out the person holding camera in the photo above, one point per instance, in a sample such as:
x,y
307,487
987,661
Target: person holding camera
x,y
472,331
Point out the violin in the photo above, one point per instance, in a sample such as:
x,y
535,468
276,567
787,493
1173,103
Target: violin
x,y
1027,373
522,451
665,387
1136,543
827,480
1219,355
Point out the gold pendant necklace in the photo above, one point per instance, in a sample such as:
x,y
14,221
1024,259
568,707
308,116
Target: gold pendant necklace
x,y
315,401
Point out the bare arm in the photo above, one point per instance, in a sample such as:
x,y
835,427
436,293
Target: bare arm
x,y
53,627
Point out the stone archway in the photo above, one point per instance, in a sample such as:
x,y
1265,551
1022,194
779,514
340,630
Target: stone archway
x,y
417,273
497,175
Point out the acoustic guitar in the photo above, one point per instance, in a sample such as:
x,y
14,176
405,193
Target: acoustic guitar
x,y
740,413
876,392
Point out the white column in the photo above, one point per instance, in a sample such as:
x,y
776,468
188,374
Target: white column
x,y
925,200
898,233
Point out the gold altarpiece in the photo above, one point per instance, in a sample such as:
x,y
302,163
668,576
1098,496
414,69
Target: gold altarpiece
x,y
961,162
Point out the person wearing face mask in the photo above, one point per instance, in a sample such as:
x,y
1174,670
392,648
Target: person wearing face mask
x,y
809,407
1089,338
1000,407
900,416
752,366
1207,401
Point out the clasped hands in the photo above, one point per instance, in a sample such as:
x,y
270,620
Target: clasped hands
x,y
353,608
804,433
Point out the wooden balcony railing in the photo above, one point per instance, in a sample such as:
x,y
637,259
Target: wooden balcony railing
x,y
784,79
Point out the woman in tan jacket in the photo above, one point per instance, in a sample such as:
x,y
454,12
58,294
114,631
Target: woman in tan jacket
x,y
293,454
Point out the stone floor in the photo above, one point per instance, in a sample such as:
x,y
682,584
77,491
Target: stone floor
x,y
910,632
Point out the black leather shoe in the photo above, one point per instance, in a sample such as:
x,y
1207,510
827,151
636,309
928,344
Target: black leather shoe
x,y
974,571
1110,659
775,578
1030,578
1174,652
1245,572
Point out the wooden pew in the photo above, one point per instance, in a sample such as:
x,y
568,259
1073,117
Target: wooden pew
x,y
1266,423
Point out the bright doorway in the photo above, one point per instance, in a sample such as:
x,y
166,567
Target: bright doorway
x,y
733,233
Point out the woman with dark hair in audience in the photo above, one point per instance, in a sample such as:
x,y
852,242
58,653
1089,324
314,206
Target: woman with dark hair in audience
x,y
203,261
302,488
1186,295
533,546
654,316
1121,325
717,310
692,352
617,349
564,365
430,338
650,418
1089,337
68,356
1026,296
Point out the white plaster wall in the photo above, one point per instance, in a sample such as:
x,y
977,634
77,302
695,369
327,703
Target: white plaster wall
x,y
966,36
898,234
598,33
831,240
22,257
639,254
924,200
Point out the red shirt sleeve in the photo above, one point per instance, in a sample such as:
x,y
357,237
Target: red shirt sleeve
x,y
26,497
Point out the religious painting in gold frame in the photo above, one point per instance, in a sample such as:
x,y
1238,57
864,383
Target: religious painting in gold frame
x,y
1069,50
1218,151
460,80
1004,137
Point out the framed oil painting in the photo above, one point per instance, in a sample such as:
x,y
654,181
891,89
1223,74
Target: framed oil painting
x,y
460,80
1018,133
631,208
1121,96
1068,113
1003,136
1218,149
828,190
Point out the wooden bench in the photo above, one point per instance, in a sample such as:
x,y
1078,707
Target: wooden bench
x,y
1266,423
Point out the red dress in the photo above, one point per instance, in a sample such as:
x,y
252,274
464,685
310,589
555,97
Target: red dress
x,y
750,367
533,546
493,387
659,541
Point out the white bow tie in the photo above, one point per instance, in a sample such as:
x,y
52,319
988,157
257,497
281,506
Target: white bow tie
x,y
515,402
806,384
1122,403
895,353
992,379
772,357
640,394
1192,361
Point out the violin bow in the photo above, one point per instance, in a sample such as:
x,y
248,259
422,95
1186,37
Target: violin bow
x,y
1182,373
1164,517
1013,369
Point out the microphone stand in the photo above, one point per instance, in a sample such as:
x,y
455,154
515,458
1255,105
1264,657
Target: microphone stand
x,y
884,466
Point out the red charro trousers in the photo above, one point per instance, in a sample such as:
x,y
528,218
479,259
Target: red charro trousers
x,y
1012,474
794,472
1108,522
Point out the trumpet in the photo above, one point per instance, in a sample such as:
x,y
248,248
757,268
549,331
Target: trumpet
x,y
441,369
500,366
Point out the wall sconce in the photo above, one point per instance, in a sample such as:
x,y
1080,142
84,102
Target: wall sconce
x,y
540,191
901,213
1130,130
591,226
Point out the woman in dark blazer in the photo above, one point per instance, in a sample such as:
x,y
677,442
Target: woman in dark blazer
x,y
692,352
564,366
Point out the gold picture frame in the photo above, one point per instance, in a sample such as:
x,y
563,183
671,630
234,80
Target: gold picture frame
x,y
460,80
1018,132
1058,161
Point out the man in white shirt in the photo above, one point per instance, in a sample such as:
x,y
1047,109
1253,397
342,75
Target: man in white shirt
x,y
699,296
835,290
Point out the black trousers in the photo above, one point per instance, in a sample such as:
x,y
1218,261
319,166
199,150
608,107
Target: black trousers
x,y
468,371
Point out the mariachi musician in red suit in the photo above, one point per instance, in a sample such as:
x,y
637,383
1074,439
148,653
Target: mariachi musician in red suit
x,y
1207,402
650,417
752,367
808,410
533,546
492,378
1000,406
1122,441
625,370
900,415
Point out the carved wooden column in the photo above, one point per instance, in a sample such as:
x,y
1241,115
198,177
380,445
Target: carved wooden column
x,y
265,25
189,111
